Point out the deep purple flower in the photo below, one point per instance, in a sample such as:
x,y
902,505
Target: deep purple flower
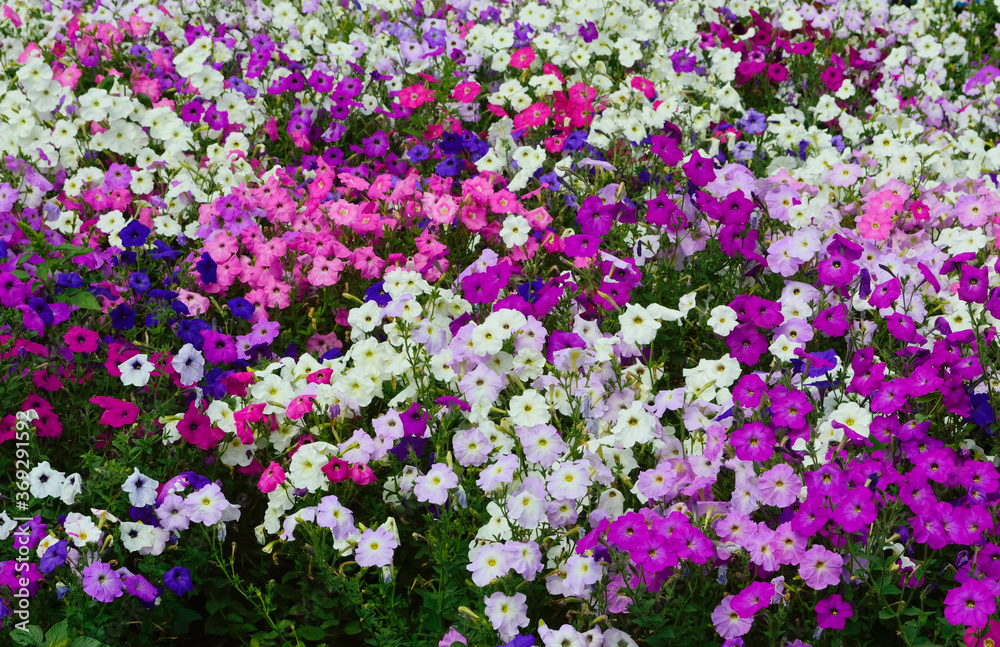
x,y
763,313
178,580
451,401
69,280
484,287
134,234
588,32
789,408
418,153
449,166
971,604
139,281
749,390
54,557
902,327
123,317
683,62
735,209
241,308
207,269
664,212
890,398
41,308
666,149
753,442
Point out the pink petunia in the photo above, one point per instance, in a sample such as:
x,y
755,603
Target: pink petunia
x,y
466,92
81,340
534,115
820,568
272,477
197,429
728,622
415,96
875,225
522,58
117,413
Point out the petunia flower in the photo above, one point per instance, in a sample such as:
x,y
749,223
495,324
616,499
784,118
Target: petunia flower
x,y
833,612
101,582
178,580
375,548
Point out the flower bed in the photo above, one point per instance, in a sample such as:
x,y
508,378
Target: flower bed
x,y
488,323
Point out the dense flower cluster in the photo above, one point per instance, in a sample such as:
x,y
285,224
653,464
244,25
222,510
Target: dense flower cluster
x,y
680,315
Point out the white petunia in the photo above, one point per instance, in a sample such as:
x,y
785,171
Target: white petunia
x,y
141,489
189,364
45,481
529,409
638,326
516,231
71,487
136,371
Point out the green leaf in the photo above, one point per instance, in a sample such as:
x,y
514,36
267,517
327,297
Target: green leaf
x,y
33,636
58,635
183,618
82,299
310,633
354,627
72,250
43,270
886,614
83,641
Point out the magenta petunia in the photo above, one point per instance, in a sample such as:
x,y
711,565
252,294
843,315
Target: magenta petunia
x,y
81,340
197,429
117,413
219,348
746,344
833,612
753,442
272,477
971,604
